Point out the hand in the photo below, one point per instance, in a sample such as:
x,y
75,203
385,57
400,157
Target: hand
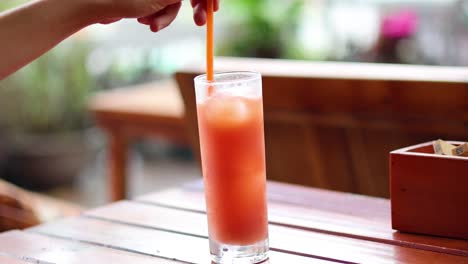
x,y
163,18
199,10
157,14
66,17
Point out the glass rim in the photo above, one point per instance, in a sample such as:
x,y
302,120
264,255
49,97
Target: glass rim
x,y
249,76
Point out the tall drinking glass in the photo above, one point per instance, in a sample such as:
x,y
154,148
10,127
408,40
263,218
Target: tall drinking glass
x,y
230,123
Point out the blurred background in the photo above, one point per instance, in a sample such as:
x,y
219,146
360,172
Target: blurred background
x,y
48,141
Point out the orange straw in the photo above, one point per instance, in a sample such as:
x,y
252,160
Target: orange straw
x,y
210,44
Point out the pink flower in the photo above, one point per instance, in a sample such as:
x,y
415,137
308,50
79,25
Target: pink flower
x,y
402,24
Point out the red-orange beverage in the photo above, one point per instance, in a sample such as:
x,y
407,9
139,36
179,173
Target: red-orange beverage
x,y
230,121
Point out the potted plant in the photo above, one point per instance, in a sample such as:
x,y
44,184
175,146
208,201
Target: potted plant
x,y
263,29
43,117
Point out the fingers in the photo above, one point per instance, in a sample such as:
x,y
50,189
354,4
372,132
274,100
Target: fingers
x,y
164,17
113,10
145,20
195,2
199,10
169,15
199,14
159,5
161,19
109,21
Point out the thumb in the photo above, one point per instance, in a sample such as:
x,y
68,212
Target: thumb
x,y
158,5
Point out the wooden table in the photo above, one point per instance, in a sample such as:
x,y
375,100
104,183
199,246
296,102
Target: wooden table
x,y
306,226
153,109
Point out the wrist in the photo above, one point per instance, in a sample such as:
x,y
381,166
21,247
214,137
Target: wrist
x,y
72,14
87,12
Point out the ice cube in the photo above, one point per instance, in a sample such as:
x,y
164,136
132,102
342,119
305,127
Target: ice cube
x,y
227,111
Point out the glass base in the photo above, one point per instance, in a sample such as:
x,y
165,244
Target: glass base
x,y
232,254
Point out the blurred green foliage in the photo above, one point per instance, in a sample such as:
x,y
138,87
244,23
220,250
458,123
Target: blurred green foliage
x,y
50,94
6,4
262,28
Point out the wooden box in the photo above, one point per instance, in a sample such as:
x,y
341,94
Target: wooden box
x,y
429,192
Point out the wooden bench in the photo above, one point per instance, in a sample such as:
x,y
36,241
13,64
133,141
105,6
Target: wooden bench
x,y
148,110
336,121
332,125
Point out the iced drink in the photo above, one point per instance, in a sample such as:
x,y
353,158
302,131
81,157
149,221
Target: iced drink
x,y
230,122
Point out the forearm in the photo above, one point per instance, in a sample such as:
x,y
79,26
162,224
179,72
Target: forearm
x,y
29,31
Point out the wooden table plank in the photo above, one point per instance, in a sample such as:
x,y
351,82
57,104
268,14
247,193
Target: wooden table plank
x,y
170,227
343,214
371,208
144,241
284,258
36,247
5,259
291,240
154,242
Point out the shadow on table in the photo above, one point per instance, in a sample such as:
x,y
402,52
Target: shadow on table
x,y
264,262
